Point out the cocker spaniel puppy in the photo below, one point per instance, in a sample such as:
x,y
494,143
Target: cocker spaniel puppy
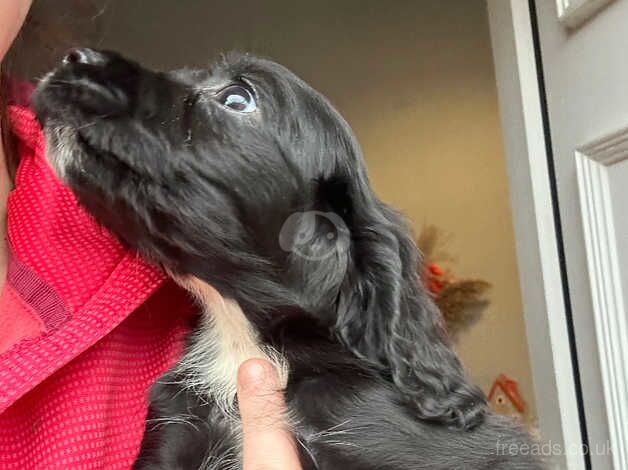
x,y
250,189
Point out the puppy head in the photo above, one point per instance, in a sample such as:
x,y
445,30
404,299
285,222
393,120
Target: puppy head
x,y
234,175
245,178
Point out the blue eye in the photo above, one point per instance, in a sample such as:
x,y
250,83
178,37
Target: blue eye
x,y
238,98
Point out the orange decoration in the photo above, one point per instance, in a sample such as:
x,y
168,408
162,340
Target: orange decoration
x,y
510,389
461,301
435,269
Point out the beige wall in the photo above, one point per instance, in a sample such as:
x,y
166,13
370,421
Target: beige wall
x,y
415,80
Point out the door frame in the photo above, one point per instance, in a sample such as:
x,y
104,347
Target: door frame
x,y
537,231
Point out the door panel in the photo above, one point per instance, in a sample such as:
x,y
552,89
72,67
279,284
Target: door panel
x,y
536,232
618,176
582,72
602,170
573,13
585,76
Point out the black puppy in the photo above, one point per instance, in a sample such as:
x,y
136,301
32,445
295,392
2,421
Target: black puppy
x,y
250,189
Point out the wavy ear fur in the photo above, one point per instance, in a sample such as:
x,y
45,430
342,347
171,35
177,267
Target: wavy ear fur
x,y
385,315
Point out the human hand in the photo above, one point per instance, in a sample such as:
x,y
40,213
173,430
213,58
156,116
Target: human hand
x,y
267,441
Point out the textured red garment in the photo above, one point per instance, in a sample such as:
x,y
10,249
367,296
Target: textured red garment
x,y
85,328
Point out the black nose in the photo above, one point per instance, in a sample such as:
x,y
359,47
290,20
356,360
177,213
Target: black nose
x,y
97,82
84,55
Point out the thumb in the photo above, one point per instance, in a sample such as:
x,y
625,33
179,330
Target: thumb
x,y
267,442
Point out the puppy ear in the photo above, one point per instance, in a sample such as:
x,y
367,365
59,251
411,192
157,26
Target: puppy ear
x,y
317,242
386,316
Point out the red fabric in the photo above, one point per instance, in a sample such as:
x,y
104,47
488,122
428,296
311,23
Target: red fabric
x,y
17,319
98,326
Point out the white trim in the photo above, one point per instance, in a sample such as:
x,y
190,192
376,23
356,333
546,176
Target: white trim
x,y
593,163
535,231
572,13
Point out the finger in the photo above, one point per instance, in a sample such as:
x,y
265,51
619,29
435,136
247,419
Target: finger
x,y
267,442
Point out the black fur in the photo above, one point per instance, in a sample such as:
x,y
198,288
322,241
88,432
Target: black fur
x,y
274,209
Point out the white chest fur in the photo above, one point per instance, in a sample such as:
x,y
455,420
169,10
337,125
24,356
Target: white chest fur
x,y
224,340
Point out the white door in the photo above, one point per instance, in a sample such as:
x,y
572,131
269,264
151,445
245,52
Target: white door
x,y
562,72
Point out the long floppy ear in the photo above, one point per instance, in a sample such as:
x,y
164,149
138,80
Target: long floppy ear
x,y
318,241
353,264
385,315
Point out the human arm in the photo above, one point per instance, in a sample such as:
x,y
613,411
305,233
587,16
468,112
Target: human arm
x,y
12,15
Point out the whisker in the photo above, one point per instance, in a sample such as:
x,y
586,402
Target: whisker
x,y
176,419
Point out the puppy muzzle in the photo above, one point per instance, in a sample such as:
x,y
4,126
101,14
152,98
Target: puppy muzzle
x,y
96,83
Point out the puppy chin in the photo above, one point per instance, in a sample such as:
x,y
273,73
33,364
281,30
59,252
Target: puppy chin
x,y
62,149
225,339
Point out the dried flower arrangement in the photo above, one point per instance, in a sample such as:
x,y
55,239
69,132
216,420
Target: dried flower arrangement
x,y
461,301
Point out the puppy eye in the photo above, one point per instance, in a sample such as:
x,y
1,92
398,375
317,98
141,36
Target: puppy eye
x,y
238,98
